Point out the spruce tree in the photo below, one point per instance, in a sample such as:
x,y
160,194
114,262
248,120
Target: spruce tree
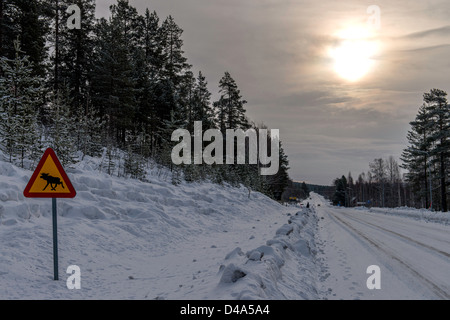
x,y
20,93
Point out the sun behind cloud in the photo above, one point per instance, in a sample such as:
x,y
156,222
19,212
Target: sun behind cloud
x,y
353,56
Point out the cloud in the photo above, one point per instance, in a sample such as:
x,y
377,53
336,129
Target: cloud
x,y
436,32
427,49
276,52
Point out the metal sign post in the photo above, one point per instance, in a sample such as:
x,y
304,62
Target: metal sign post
x,y
49,180
55,240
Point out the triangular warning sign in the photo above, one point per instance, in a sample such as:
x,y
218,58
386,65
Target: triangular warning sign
x,y
49,180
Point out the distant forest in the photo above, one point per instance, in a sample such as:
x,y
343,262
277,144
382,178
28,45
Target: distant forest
x,y
117,88
426,160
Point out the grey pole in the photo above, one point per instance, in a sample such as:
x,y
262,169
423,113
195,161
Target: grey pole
x,y
55,241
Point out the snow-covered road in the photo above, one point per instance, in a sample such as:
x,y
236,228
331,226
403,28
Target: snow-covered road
x,y
413,256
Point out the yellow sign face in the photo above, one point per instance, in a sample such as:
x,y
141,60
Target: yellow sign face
x,y
49,179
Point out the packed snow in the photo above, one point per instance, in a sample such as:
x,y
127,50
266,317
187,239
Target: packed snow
x,y
410,247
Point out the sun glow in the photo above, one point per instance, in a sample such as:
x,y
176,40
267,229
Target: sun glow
x,y
354,54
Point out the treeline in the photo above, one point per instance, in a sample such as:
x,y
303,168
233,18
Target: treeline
x,y
119,85
381,186
425,159
296,190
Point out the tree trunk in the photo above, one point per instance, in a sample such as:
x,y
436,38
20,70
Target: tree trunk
x,y
56,46
1,29
426,182
443,185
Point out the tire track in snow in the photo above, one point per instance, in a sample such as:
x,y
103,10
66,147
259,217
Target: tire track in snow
x,y
440,292
446,254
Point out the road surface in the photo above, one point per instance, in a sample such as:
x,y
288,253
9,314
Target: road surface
x,y
413,256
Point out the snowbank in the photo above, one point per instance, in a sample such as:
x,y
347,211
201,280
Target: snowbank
x,y
152,240
283,268
413,213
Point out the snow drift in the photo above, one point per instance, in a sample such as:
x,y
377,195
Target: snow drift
x,y
152,240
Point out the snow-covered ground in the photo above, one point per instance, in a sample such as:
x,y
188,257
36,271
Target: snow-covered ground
x,y
197,241
412,253
153,240
417,214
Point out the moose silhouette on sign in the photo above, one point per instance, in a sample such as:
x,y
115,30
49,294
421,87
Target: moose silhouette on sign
x,y
52,181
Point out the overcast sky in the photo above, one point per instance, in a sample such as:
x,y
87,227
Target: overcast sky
x,y
278,51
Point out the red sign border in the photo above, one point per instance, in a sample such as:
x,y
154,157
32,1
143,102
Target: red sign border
x,y
68,184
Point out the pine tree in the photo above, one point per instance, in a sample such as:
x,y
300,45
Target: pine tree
x,y
113,84
230,110
88,129
428,150
165,154
350,190
150,101
173,84
340,194
278,182
2,20
8,119
55,39
175,63
416,156
378,169
20,93
24,19
439,113
185,110
134,164
393,178
75,52
62,127
152,43
201,107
